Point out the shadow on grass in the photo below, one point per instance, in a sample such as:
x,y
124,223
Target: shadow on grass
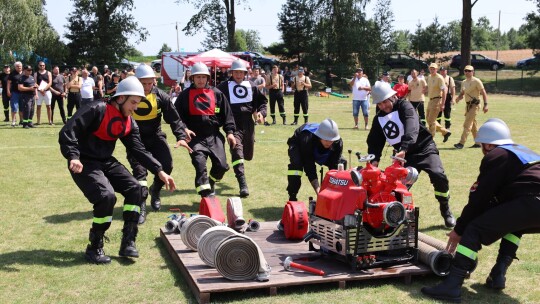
x,y
179,280
52,258
267,213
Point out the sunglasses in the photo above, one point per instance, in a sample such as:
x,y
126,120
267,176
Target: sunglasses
x,y
41,65
468,71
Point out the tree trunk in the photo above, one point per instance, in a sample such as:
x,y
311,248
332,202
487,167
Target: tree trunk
x,y
466,25
231,25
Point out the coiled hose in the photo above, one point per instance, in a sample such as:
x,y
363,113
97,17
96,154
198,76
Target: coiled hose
x,y
239,258
194,227
209,242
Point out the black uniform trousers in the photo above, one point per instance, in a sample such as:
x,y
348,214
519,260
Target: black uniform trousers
x,y
429,161
157,145
276,96
419,107
99,181
245,142
60,100
518,216
203,147
5,102
73,101
446,112
301,100
27,101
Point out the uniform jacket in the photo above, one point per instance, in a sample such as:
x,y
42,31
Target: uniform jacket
x,y
203,117
92,132
148,115
503,177
258,102
306,142
416,139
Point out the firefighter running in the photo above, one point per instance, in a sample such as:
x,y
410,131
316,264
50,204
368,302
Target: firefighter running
x,y
155,104
87,141
397,123
501,206
204,109
248,103
311,144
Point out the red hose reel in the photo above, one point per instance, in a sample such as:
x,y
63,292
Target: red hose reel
x,y
295,220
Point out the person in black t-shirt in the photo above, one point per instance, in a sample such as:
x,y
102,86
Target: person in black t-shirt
x,y
27,88
5,98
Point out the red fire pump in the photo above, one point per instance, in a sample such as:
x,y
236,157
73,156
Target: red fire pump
x,y
364,216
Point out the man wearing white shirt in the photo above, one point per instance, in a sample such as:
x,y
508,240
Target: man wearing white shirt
x,y
360,89
87,87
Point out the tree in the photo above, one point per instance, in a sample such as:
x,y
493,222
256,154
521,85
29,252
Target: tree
x,y
466,27
164,48
400,41
253,41
295,26
483,36
98,30
27,33
206,7
216,28
240,41
533,28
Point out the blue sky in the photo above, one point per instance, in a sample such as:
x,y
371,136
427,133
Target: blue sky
x,y
160,16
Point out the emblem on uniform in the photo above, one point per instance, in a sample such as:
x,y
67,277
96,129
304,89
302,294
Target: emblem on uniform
x,y
202,102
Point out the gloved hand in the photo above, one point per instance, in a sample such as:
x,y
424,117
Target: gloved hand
x,y
315,185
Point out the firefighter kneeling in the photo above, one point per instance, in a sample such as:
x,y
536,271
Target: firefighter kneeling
x,y
504,203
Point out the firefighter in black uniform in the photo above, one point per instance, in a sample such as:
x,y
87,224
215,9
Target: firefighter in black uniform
x,y
301,84
204,109
248,103
504,203
276,86
87,141
148,117
397,123
311,144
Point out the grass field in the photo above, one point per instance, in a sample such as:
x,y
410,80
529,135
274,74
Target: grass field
x,y
45,219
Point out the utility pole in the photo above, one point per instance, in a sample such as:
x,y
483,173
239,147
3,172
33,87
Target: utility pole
x,y
499,37
177,38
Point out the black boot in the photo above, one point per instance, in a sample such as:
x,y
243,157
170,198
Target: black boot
x,y
94,250
212,185
284,120
450,289
449,220
305,119
142,214
129,235
155,200
496,278
6,113
244,192
295,122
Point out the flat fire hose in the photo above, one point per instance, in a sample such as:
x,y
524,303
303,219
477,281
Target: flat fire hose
x,y
209,242
194,227
239,258
438,260
235,213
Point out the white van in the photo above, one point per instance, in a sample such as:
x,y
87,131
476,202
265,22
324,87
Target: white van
x,y
172,69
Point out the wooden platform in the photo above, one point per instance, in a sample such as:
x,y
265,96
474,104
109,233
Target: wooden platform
x,y
205,281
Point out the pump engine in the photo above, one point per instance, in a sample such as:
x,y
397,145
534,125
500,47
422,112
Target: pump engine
x,y
364,216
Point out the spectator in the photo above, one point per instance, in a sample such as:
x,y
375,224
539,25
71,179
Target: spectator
x,y
87,87
401,88
329,78
58,93
73,86
27,87
113,85
276,85
449,98
436,92
4,83
186,82
417,88
14,94
44,80
360,92
301,84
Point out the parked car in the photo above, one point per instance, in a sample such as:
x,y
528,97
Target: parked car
x,y
156,65
479,62
404,61
255,58
527,63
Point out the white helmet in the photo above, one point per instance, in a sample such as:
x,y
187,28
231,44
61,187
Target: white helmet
x,y
144,71
381,92
328,130
200,68
238,65
495,132
130,86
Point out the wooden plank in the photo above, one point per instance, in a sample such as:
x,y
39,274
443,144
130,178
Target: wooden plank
x,y
204,280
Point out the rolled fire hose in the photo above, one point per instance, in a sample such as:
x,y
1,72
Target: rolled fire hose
x,y
209,242
235,213
239,258
438,260
431,241
194,227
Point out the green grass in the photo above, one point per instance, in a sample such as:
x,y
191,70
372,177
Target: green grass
x,y
45,219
